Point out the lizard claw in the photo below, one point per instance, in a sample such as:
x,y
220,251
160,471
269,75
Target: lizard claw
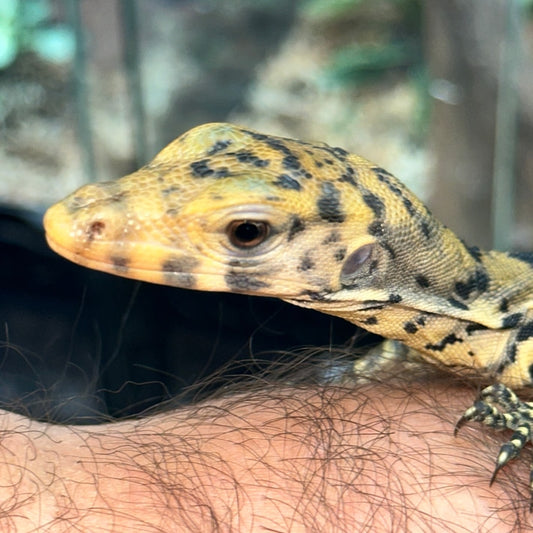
x,y
499,407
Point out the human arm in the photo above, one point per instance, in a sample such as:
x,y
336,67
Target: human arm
x,y
374,457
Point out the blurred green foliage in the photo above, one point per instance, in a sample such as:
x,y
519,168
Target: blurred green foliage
x,y
25,27
358,63
339,8
385,37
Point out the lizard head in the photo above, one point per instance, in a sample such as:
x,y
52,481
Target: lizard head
x,y
224,208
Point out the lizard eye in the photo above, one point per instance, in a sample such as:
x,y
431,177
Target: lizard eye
x,y
247,233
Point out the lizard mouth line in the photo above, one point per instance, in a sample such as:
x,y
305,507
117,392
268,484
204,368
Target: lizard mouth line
x,y
159,276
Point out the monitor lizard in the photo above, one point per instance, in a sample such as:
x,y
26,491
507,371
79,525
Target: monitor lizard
x,y
225,208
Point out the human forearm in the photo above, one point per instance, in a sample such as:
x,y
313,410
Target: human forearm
x,y
284,458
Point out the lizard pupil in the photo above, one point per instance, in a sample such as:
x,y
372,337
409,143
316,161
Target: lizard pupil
x,y
247,233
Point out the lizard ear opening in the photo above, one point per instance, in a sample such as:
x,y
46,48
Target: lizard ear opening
x,y
360,263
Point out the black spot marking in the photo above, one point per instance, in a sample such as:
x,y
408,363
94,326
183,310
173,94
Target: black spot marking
x,y
286,182
348,178
245,156
410,327
382,172
421,320
219,146
120,264
222,172
291,162
463,290
201,168
375,203
240,281
479,282
426,229
452,338
511,354
296,226
475,252
306,264
371,321
329,205
482,280
395,298
409,206
277,144
526,257
334,236
422,281
340,152
255,135
376,228
172,211
470,328
525,332
329,161
530,370
458,304
340,254
319,164
512,321
177,271
504,305
390,181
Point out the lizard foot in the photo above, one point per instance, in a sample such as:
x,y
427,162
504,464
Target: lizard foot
x,y
500,408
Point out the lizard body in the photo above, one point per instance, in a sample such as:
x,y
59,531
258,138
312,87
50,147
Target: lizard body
x,y
224,208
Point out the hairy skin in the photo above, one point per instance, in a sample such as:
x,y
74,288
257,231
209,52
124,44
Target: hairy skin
x,y
369,458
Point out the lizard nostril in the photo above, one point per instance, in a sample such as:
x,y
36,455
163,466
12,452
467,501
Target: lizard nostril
x,y
95,229
356,260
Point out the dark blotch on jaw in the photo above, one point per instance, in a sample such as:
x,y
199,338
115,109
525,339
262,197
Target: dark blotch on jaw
x,y
239,281
306,264
120,264
177,271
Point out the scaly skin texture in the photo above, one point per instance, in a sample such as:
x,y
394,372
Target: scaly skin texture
x,y
224,208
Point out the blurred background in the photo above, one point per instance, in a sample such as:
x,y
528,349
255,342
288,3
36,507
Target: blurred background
x,y
439,93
